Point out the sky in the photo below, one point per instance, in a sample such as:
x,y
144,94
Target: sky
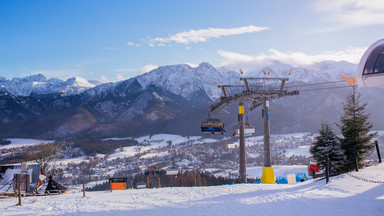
x,y
119,39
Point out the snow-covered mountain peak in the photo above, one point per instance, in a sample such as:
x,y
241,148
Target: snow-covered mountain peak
x,y
35,77
206,66
80,82
185,80
39,84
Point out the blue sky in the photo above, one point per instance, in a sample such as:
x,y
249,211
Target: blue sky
x,y
115,40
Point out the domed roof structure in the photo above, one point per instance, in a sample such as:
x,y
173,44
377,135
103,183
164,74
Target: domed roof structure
x,y
370,71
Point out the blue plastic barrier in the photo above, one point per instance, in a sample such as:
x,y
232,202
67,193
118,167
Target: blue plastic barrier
x,y
254,182
281,180
300,177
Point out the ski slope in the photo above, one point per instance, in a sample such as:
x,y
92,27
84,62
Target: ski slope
x,y
343,195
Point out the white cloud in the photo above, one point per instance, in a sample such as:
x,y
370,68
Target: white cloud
x,y
234,60
133,44
147,68
126,73
202,35
125,70
353,12
120,77
104,79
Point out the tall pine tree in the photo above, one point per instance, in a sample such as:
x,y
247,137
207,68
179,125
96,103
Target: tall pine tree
x,y
355,130
327,145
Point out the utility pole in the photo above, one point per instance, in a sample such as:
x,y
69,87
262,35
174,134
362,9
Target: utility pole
x,y
243,164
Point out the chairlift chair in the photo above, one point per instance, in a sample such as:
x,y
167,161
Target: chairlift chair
x,y
249,130
212,126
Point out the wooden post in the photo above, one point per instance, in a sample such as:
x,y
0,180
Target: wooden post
x,y
19,195
83,190
327,169
378,151
159,182
26,183
147,181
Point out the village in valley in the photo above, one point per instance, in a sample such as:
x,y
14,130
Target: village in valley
x,y
72,167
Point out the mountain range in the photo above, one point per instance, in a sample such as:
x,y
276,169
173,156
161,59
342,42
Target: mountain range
x,y
169,99
39,85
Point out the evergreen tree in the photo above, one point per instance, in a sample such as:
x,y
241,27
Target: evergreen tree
x,y
355,128
327,145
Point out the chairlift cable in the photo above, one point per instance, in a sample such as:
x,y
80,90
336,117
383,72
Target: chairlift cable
x,y
312,84
334,87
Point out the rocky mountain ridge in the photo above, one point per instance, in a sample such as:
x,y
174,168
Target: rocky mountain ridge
x,y
175,99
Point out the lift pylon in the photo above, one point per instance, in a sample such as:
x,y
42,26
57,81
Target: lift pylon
x,y
258,91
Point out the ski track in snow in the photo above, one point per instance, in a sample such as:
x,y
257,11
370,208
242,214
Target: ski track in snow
x,y
343,195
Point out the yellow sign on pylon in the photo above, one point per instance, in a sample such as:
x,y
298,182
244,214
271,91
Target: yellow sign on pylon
x,y
241,109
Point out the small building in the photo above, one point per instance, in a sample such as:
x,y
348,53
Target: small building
x,y
118,183
54,187
25,176
141,185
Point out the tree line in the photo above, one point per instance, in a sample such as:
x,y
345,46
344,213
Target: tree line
x,y
181,179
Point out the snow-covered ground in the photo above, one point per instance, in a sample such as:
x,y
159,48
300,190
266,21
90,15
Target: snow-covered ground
x,y
301,150
162,140
154,142
343,195
18,142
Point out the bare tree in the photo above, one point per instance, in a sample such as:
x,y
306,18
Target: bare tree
x,y
44,154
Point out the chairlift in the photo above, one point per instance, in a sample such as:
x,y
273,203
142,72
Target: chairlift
x,y
249,130
370,71
212,126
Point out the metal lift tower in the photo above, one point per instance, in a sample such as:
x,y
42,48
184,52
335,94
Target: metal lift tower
x,y
257,91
